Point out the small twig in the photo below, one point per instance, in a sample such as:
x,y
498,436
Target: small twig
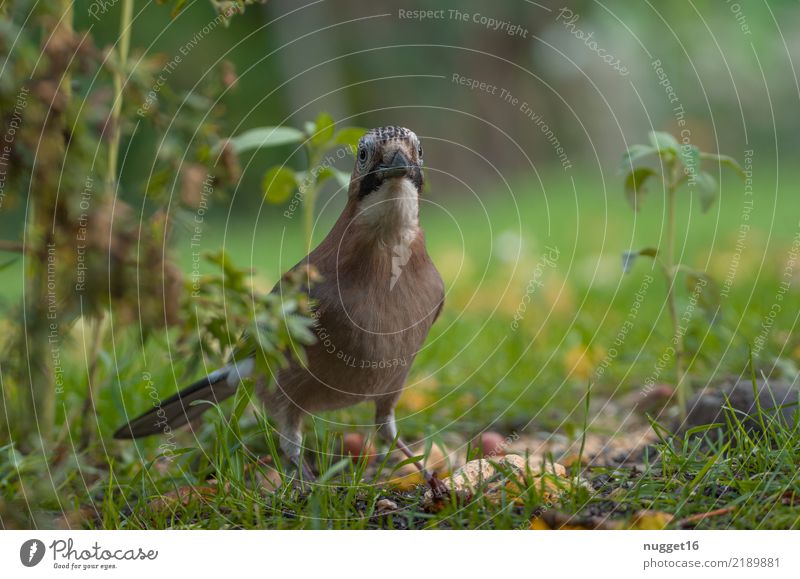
x,y
125,25
89,408
708,515
12,246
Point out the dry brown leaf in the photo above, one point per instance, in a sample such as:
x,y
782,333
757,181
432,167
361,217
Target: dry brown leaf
x,y
385,506
408,481
573,458
483,476
270,479
707,515
556,520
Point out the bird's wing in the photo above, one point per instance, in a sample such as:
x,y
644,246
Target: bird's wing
x,y
438,310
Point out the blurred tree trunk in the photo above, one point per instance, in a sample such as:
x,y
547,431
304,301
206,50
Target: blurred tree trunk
x,y
41,326
298,55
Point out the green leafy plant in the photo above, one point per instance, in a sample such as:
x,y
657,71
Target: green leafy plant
x,y
680,166
229,315
227,312
318,138
69,111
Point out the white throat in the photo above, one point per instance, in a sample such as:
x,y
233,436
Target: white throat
x,y
392,211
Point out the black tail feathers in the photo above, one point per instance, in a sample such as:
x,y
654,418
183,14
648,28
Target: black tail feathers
x,y
178,409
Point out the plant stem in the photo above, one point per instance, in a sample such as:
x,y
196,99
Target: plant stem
x,y
111,182
11,246
41,235
116,109
89,408
671,274
310,199
308,214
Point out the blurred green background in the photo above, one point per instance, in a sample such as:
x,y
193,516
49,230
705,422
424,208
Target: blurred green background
x,y
512,170
729,64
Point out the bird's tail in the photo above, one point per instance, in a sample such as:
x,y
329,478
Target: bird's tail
x,y
177,410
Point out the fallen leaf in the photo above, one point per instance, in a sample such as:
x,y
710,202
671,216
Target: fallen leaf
x,y
573,458
538,524
649,520
385,506
509,476
408,481
270,479
552,520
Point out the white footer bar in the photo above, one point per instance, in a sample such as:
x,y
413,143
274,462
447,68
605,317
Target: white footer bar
x,y
390,554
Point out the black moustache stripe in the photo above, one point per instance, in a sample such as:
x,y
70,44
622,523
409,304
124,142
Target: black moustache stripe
x,y
372,182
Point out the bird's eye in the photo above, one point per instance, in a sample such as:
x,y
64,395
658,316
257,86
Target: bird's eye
x,y
419,150
362,154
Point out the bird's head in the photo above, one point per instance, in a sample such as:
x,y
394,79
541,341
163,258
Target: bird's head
x,y
387,178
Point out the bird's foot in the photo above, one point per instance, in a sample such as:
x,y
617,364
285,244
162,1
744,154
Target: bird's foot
x,y
438,488
308,474
305,476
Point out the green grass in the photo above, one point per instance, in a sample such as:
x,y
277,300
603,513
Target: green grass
x,y
474,374
750,478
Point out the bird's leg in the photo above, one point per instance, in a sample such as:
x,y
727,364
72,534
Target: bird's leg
x,y
305,468
291,439
438,488
387,429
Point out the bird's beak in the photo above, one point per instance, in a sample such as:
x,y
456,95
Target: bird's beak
x,y
399,166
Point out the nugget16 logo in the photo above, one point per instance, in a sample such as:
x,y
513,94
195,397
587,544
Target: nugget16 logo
x,y
32,552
